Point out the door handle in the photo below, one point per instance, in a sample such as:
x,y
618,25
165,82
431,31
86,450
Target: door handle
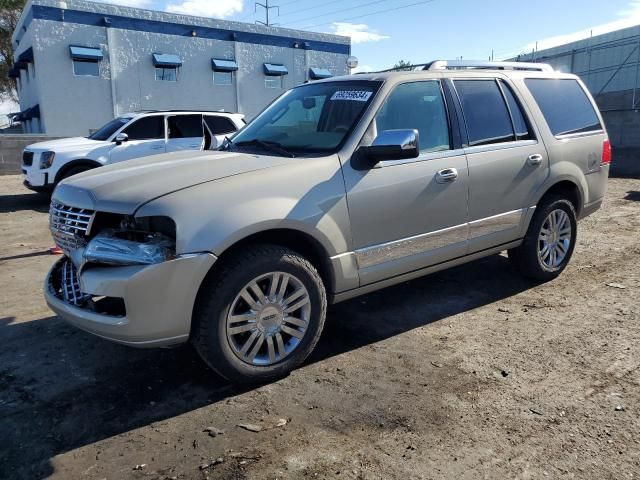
x,y
534,160
447,175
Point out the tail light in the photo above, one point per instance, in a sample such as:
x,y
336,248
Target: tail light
x,y
606,152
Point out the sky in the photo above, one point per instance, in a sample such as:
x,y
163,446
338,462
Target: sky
x,y
385,31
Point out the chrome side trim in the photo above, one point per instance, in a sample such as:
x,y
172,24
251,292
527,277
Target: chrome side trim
x,y
406,247
580,134
423,157
372,287
499,146
496,223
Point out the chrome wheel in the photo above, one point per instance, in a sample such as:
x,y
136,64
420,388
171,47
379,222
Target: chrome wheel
x,y
268,318
554,239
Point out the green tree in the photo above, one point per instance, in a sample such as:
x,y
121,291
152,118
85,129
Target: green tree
x,y
10,11
402,65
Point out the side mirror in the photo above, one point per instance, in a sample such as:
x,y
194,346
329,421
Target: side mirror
x,y
392,145
121,137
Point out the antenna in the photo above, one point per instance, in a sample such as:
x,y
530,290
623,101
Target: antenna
x,y
267,9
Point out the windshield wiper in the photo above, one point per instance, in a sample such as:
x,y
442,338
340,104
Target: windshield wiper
x,y
267,145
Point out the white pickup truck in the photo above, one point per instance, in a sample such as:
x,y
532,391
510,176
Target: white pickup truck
x,y
128,136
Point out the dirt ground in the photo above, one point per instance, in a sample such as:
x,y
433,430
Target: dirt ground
x,y
469,373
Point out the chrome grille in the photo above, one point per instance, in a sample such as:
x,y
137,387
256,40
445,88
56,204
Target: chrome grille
x,y
69,226
27,158
70,284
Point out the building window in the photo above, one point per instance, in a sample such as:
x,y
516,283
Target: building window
x,y
86,68
222,78
167,74
273,82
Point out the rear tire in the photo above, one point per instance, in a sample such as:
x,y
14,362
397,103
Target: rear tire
x,y
549,242
259,315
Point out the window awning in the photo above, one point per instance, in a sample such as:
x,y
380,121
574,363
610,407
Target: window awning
x,y
219,65
86,53
166,60
26,56
14,72
319,73
275,70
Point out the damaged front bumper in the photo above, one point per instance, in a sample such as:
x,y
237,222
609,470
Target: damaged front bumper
x,y
137,305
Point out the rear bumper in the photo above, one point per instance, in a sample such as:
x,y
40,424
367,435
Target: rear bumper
x,y
590,208
158,299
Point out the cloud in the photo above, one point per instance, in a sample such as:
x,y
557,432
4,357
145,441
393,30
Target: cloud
x,y
206,8
359,32
629,17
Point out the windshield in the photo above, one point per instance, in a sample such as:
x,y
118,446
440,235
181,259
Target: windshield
x,y
110,128
315,117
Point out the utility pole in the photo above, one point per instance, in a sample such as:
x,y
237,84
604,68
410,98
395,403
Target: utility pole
x,y
267,9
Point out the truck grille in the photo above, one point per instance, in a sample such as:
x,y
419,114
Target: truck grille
x,y
69,226
65,284
27,158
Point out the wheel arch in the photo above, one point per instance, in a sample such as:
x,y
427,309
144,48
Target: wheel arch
x,y
81,162
568,189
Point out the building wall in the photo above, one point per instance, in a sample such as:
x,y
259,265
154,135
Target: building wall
x,y
73,105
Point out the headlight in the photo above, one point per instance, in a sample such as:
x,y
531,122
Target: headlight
x,y
117,247
46,159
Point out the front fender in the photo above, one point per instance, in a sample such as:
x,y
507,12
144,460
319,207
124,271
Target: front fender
x,y
308,197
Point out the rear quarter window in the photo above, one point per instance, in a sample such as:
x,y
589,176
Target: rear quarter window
x,y
564,105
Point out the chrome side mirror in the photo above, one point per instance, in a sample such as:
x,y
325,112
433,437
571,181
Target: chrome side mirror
x,y
393,145
121,138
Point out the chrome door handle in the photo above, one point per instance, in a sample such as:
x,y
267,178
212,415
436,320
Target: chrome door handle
x,y
447,175
534,160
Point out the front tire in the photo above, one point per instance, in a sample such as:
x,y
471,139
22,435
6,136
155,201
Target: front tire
x,y
549,242
260,315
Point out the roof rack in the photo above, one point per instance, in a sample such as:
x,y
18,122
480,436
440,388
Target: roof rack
x,y
474,64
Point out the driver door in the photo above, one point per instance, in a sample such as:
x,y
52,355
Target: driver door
x,y
409,214
146,137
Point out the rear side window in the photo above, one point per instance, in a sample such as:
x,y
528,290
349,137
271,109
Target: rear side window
x,y
146,128
485,112
519,123
565,105
219,125
185,126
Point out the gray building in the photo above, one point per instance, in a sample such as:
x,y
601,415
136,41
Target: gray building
x,y
79,63
609,65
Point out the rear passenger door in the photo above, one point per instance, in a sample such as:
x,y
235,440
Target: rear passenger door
x,y
184,132
507,162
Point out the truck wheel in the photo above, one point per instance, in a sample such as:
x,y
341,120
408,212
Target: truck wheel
x,y
549,242
260,315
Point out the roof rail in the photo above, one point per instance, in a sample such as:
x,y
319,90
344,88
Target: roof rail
x,y
472,64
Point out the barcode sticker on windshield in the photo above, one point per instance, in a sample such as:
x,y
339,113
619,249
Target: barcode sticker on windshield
x,y
354,95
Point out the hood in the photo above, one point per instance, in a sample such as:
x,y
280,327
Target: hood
x,y
63,144
124,187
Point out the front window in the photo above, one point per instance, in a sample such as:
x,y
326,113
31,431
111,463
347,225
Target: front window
x,y
167,74
104,132
316,117
146,128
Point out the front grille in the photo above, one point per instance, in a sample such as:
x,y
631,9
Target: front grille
x,y
69,226
27,158
70,284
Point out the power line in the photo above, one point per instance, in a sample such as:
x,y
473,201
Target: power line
x,y
368,14
367,4
322,5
